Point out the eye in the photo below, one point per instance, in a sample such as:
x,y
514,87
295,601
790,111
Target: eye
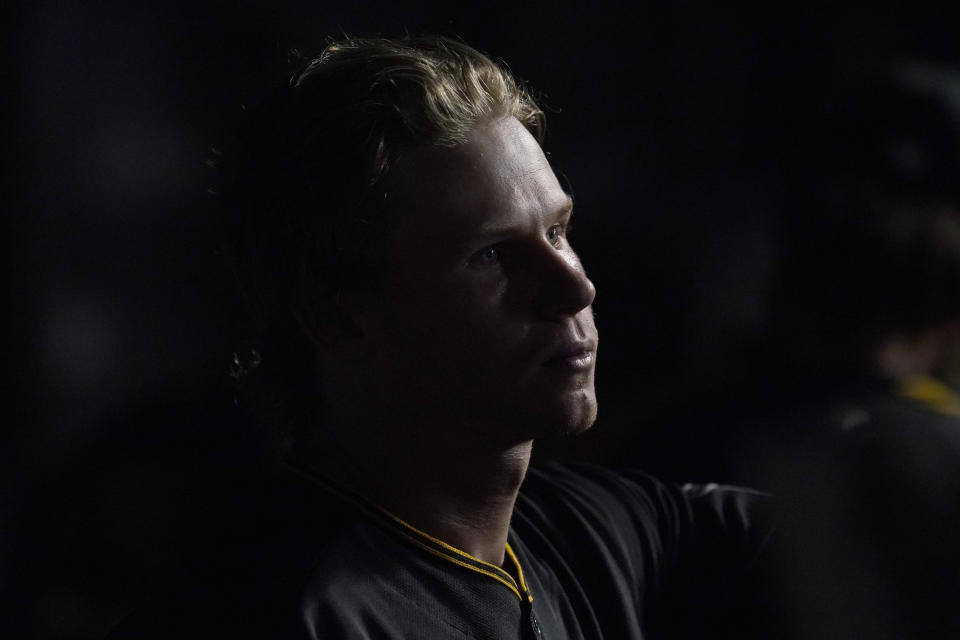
x,y
554,234
487,256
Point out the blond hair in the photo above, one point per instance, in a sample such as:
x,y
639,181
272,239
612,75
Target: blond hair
x,y
441,88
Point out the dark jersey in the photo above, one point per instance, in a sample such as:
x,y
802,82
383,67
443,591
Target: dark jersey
x,y
868,498
591,554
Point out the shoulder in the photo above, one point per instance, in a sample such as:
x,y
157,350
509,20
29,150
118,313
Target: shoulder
x,y
607,494
656,547
584,506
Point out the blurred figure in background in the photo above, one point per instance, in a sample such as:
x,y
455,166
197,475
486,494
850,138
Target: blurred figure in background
x,y
860,438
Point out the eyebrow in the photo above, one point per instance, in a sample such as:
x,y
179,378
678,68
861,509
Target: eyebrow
x,y
565,210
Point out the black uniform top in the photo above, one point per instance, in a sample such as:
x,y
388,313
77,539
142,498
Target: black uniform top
x,y
868,499
591,554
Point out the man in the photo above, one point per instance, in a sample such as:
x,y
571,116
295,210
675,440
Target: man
x,y
402,242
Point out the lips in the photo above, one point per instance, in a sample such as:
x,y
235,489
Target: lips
x,y
574,356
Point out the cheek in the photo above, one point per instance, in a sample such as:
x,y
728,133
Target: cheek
x,y
466,320
466,302
472,325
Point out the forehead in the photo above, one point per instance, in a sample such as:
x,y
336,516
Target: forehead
x,y
498,176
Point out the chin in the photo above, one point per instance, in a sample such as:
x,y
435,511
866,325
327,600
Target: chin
x,y
581,423
574,417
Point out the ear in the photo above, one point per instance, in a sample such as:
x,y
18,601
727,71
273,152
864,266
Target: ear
x,y
329,324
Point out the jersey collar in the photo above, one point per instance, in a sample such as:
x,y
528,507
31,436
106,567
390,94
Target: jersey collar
x,y
397,526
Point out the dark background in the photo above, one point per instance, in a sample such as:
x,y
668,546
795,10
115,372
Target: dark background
x,y
663,117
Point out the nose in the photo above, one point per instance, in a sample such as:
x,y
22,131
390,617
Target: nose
x,y
565,288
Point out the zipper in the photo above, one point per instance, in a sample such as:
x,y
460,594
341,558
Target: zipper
x,y
534,632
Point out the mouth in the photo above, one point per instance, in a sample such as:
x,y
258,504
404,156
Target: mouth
x,y
575,357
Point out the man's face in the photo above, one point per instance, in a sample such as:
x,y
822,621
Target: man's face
x,y
485,319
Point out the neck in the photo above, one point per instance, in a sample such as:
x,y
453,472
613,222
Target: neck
x,y
454,487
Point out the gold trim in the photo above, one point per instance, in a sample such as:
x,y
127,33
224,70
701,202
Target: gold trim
x,y
466,565
494,571
932,393
516,563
